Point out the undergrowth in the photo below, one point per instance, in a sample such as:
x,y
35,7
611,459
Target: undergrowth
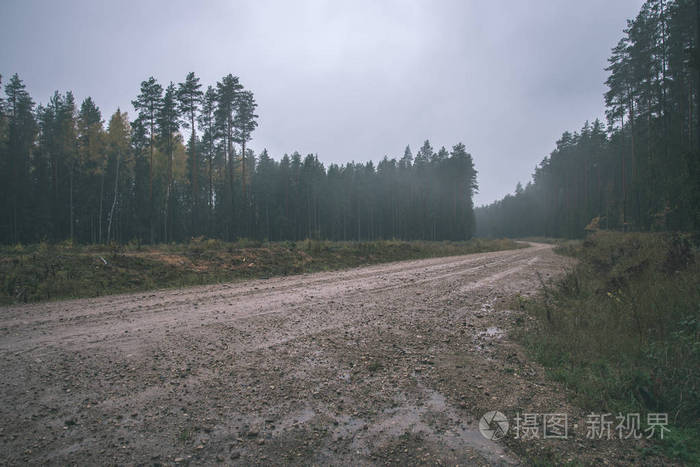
x,y
622,330
45,271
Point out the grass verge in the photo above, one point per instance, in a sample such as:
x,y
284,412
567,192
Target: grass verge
x,y
622,331
54,271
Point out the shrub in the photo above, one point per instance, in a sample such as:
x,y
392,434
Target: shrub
x,y
624,326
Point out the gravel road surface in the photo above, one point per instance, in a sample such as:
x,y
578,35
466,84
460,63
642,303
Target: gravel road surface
x,y
391,363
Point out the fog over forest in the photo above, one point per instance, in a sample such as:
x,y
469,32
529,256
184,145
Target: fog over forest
x,y
348,81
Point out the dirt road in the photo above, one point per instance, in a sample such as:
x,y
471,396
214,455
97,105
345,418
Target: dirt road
x,y
392,363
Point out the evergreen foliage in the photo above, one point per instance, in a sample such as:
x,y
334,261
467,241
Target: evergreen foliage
x,y
66,177
642,172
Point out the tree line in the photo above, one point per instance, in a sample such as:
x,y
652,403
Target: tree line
x,y
182,168
642,170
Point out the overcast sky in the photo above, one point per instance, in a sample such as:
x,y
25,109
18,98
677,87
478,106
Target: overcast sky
x,y
347,80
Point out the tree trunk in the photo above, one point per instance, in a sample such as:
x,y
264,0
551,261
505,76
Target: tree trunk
x,y
244,205
697,77
114,201
210,201
169,191
70,197
697,106
99,217
150,183
195,177
229,143
243,170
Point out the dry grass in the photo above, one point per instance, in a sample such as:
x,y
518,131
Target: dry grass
x,y
53,271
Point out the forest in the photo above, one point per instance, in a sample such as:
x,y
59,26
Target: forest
x,y
639,171
181,169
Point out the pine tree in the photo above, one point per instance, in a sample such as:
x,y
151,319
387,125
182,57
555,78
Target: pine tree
x,y
69,150
147,104
141,208
118,142
207,124
227,91
189,96
91,167
21,133
168,125
244,124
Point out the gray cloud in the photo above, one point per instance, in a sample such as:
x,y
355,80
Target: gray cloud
x,y
349,80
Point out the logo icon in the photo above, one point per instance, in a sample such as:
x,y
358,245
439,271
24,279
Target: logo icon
x,y
493,425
